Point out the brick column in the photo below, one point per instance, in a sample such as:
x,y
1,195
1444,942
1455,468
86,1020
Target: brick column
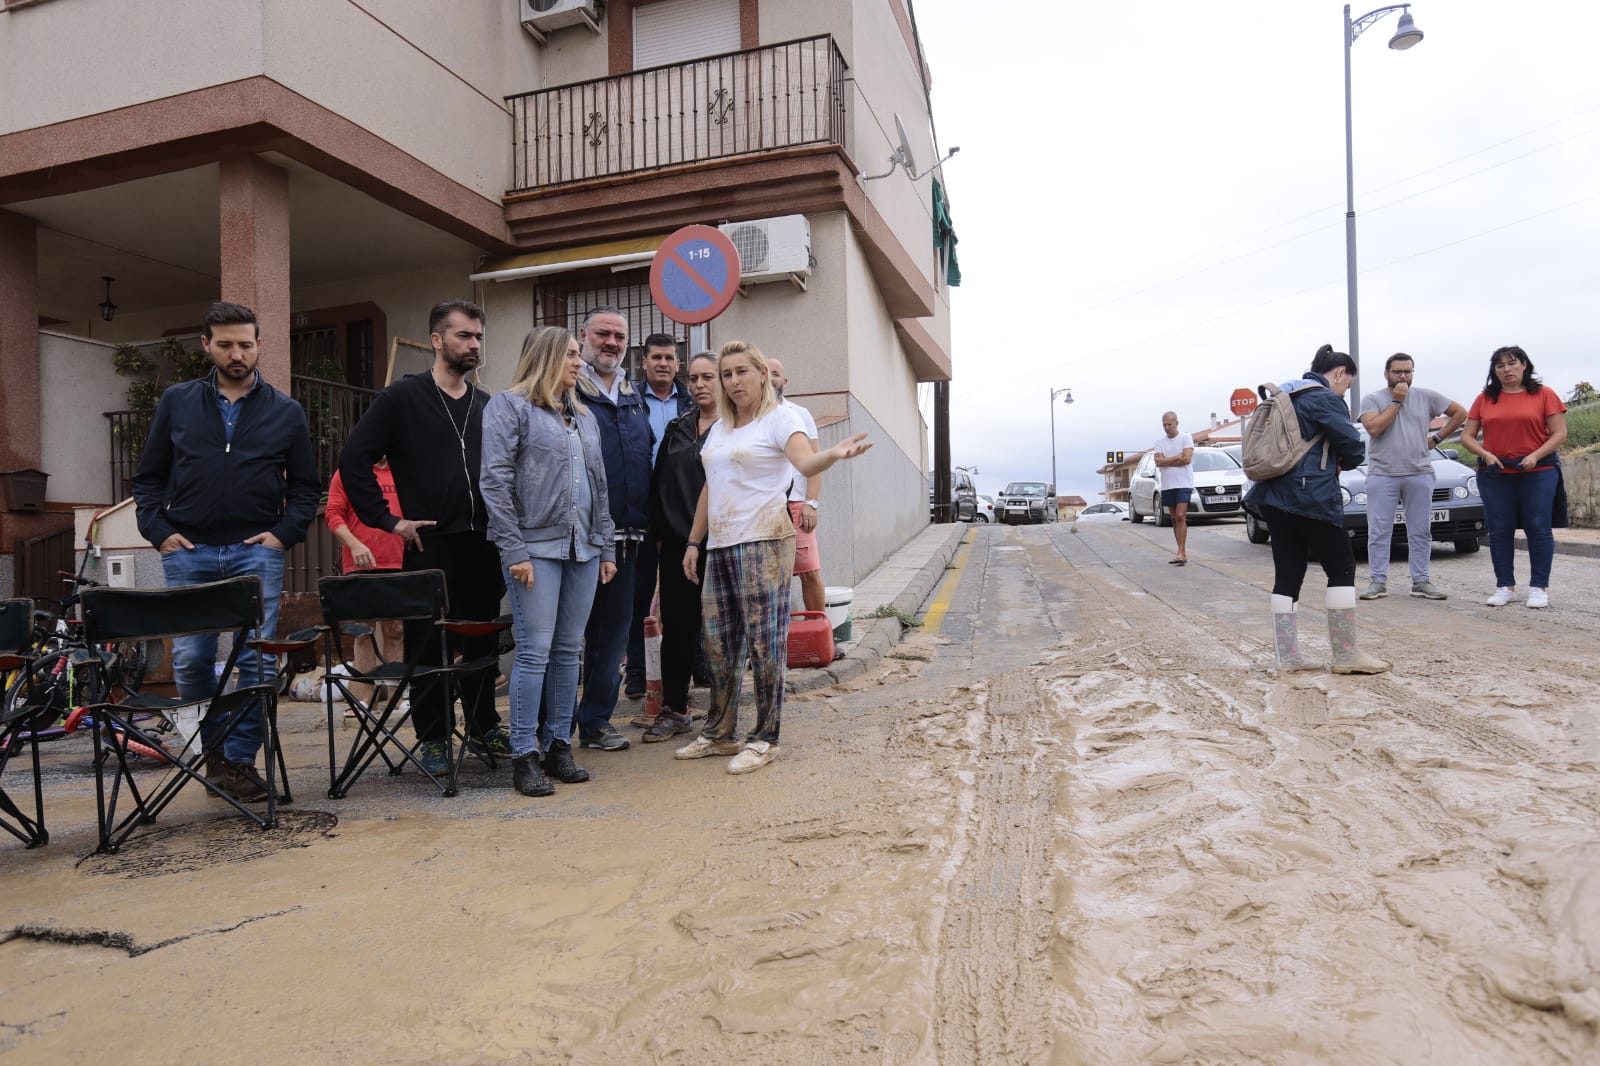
x,y
255,254
19,343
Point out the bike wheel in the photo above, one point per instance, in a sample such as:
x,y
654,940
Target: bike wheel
x,y
128,670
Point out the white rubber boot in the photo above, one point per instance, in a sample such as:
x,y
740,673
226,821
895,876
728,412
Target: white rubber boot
x,y
1347,657
1286,636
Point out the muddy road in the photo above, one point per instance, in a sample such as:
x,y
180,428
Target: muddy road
x,y
1075,819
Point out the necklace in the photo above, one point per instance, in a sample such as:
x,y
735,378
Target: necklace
x,y
461,430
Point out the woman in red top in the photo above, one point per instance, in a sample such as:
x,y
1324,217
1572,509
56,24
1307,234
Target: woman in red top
x,y
1522,423
365,548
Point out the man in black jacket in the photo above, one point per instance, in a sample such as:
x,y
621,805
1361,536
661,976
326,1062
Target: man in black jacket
x,y
226,483
431,428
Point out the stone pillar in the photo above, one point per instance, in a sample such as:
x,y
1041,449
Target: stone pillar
x,y
255,254
20,446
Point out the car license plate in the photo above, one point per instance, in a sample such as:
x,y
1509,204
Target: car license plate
x,y
1016,510
1224,499
1433,517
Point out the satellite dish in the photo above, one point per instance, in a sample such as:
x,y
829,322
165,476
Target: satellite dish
x,y
903,152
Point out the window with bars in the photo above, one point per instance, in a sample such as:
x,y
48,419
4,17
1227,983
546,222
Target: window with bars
x,y
565,302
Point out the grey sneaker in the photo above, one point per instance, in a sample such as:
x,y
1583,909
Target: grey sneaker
x,y
1376,590
607,739
667,725
1427,591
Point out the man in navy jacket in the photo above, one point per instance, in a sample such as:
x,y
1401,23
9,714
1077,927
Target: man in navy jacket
x,y
227,482
626,445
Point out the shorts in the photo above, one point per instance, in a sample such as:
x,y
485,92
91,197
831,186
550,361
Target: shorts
x,y
1173,497
807,559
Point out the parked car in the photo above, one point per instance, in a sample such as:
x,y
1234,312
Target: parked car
x,y
1103,512
963,496
985,509
1456,516
1218,488
1026,501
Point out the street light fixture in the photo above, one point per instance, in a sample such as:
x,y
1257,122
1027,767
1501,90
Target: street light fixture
x,y
1053,394
1406,34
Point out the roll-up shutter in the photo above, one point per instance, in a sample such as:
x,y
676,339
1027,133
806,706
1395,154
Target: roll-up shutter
x,y
672,31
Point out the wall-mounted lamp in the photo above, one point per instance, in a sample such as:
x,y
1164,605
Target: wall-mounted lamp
x,y
108,310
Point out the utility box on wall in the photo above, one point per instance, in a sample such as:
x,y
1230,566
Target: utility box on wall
x,y
119,571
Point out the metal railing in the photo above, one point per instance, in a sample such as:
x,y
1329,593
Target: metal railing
x,y
741,103
332,411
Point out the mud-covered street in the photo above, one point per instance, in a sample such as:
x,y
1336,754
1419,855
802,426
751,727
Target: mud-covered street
x,y
1076,818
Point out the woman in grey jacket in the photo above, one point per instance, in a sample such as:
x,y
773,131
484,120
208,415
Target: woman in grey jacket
x,y
544,484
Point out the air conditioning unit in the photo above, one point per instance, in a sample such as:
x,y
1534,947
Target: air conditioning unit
x,y
539,17
772,249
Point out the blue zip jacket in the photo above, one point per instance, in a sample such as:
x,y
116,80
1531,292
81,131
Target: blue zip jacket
x,y
1311,489
193,480
625,443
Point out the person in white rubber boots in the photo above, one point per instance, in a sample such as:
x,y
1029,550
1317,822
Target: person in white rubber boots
x,y
1305,511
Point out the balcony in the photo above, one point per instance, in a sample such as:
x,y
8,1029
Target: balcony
x,y
745,103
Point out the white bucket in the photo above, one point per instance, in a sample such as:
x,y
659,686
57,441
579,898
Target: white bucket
x,y
186,724
840,612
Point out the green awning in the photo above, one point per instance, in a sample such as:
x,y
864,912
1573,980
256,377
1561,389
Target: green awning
x,y
944,235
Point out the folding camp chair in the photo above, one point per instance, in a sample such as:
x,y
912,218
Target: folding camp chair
x,y
352,606
231,606
21,718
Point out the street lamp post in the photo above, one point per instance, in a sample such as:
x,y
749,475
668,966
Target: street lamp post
x,y
1406,34
1053,394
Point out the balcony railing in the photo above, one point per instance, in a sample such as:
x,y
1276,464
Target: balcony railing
x,y
742,103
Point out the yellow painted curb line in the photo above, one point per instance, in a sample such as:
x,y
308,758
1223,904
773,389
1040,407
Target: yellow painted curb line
x,y
933,618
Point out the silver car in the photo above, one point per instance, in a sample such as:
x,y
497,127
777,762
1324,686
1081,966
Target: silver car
x,y
1219,484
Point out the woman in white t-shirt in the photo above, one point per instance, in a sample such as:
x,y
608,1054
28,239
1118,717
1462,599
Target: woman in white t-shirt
x,y
742,525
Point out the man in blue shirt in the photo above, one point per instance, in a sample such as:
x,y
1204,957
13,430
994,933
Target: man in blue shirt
x,y
665,398
227,482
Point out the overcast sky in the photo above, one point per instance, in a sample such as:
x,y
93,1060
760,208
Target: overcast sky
x,y
1150,205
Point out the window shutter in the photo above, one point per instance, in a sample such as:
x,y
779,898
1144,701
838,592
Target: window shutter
x,y
672,31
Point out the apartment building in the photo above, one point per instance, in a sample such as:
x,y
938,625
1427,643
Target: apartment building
x,y
341,165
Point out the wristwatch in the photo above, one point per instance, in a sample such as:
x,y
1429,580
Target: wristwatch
x,y
811,504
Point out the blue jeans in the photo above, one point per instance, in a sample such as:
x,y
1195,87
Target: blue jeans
x,y
194,658
605,639
1511,501
548,621
1386,494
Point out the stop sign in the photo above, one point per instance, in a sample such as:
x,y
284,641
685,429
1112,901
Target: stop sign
x,y
1242,402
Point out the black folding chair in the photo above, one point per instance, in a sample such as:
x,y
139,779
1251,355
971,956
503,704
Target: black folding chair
x,y
21,717
353,606
231,606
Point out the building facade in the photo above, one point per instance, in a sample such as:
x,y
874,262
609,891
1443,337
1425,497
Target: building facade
x,y
341,165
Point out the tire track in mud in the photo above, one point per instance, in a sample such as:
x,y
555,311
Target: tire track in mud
x,y
994,978
1372,821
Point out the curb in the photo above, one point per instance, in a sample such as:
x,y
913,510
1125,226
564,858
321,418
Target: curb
x,y
1565,547
880,635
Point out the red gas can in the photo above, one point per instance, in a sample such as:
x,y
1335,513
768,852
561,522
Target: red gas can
x,y
810,639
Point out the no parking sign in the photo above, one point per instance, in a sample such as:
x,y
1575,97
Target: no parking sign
x,y
694,275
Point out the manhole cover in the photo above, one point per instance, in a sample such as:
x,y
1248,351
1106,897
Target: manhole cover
x,y
210,842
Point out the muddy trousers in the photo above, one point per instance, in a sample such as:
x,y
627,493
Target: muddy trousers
x,y
744,610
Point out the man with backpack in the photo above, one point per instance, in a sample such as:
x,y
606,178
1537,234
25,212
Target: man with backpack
x,y
1295,444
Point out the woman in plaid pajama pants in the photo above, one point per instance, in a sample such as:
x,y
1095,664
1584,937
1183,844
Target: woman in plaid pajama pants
x,y
742,523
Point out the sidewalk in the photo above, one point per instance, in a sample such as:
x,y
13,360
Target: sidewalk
x,y
1574,541
901,582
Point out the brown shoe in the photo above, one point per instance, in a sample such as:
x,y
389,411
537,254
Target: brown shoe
x,y
238,779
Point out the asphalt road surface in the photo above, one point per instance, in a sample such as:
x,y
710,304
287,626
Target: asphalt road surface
x,y
1075,818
